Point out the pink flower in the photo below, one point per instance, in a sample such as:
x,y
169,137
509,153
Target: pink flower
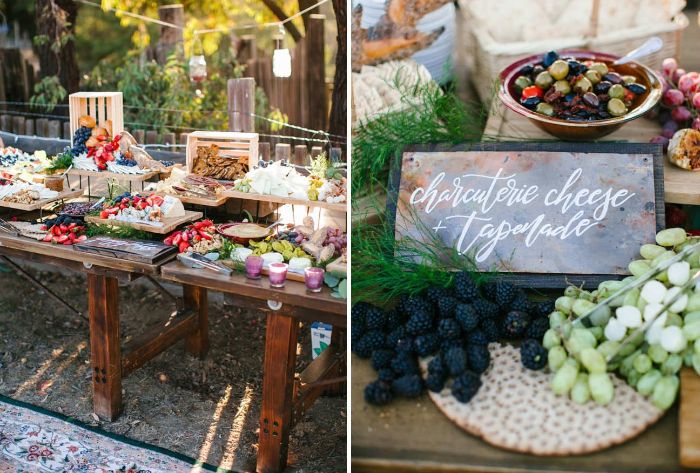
x,y
72,449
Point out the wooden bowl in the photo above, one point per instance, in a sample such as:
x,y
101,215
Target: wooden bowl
x,y
243,233
583,130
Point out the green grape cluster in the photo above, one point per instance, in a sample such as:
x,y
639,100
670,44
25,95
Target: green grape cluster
x,y
584,354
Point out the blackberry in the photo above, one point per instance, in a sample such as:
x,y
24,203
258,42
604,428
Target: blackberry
x,y
478,357
394,320
455,360
543,309
378,393
533,354
485,309
477,337
505,293
446,306
465,288
521,303
356,333
404,363
515,324
386,374
372,340
382,358
406,345
408,386
489,291
467,317
427,344
436,367
465,387
375,318
358,314
394,336
449,328
434,383
421,322
446,344
413,305
537,328
491,329
434,293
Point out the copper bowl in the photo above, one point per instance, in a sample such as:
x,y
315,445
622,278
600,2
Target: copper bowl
x,y
221,230
583,130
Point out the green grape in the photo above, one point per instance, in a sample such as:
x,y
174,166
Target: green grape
x,y
608,348
688,356
593,361
628,362
631,297
627,349
693,302
566,328
651,251
657,354
638,267
662,257
641,304
696,363
571,291
556,358
563,304
665,392
597,333
581,307
696,346
601,386
580,393
674,319
564,379
585,295
691,317
556,318
580,338
601,316
642,363
551,339
672,364
662,276
692,330
671,237
633,376
645,385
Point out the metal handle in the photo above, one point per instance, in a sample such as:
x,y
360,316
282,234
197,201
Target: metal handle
x,y
650,46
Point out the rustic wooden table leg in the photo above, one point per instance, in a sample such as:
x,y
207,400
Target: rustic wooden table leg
x,y
278,387
195,298
105,349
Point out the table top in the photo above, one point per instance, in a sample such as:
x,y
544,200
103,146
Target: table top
x,y
342,207
294,293
680,186
114,175
412,435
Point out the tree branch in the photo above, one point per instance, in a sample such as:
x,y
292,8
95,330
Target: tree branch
x,y
281,16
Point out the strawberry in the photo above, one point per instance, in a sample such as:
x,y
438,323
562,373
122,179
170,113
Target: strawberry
x,y
56,230
48,237
63,228
205,235
82,238
168,240
177,239
182,247
71,226
62,239
72,236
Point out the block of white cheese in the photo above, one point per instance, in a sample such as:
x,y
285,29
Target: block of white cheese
x,y
299,263
172,207
240,254
273,257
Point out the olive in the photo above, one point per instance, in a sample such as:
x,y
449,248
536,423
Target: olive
x,y
569,97
531,102
602,87
629,79
525,70
600,67
559,69
616,91
616,107
544,80
636,88
536,71
593,76
613,77
576,68
583,85
545,109
522,81
562,86
549,58
591,99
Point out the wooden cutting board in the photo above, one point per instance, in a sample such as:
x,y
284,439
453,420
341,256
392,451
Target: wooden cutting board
x,y
689,419
168,224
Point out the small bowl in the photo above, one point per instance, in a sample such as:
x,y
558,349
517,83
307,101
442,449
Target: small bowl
x,y
240,239
583,130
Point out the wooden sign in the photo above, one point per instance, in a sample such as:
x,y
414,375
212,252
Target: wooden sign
x,y
545,212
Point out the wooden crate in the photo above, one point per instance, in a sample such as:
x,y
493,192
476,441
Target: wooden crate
x,y
242,147
99,105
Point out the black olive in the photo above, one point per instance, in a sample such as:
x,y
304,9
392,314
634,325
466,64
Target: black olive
x,y
602,87
525,70
591,99
613,77
531,102
636,88
576,68
549,58
535,72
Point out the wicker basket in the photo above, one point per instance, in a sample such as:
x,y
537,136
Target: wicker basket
x,y
489,57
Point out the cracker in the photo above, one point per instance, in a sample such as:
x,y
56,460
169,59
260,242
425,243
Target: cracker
x,y
516,409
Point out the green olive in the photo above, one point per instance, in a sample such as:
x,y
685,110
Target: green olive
x,y
544,80
629,80
583,85
562,86
600,67
522,81
593,76
545,109
559,69
616,107
616,91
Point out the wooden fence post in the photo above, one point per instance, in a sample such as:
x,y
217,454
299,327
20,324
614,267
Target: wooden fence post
x,y
66,130
241,104
315,109
42,126
5,121
283,151
316,150
151,137
54,129
140,136
169,140
18,125
29,127
300,152
264,150
171,39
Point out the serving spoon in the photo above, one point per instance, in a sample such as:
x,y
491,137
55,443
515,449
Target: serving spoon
x,y
650,46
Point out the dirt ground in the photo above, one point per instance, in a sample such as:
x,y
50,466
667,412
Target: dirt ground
x,y
203,409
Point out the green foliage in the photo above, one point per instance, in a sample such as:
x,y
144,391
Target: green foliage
x,y
429,116
48,93
62,161
126,233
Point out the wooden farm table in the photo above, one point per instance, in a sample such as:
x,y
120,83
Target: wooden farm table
x,y
285,395
680,186
109,362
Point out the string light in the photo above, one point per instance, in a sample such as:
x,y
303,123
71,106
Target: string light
x,y
197,63
281,58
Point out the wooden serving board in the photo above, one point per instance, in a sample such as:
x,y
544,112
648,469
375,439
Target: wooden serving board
x,y
115,175
66,194
285,200
220,200
169,224
689,428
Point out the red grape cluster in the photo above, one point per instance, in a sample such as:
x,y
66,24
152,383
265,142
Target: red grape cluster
x,y
337,238
680,102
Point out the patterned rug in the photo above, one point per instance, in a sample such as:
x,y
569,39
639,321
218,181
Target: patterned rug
x,y
35,440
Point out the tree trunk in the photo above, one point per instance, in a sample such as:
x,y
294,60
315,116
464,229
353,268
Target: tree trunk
x,y
50,24
281,16
303,5
339,117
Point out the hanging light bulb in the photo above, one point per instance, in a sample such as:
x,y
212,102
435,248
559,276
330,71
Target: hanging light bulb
x,y
281,58
197,64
